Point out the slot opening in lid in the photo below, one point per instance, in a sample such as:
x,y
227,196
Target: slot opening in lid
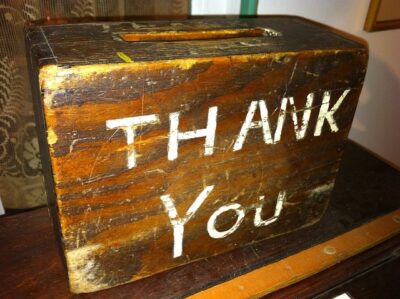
x,y
196,35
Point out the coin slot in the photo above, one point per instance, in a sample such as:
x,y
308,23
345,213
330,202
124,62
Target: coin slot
x,y
196,35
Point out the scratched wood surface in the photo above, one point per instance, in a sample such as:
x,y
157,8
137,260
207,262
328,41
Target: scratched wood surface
x,y
365,189
160,152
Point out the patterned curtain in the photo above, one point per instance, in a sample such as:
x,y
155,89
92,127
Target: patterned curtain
x,y
21,179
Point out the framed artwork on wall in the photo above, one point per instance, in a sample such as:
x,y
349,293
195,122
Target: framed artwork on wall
x,y
383,15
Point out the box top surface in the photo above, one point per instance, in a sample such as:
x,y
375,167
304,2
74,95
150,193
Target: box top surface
x,y
105,43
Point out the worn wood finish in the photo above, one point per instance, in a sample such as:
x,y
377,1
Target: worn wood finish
x,y
232,179
365,189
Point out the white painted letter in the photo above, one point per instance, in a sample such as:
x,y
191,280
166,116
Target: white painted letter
x,y
178,224
212,231
281,119
208,132
301,132
263,123
278,208
325,113
129,126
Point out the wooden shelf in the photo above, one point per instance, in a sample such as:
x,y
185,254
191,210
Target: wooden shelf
x,y
373,273
314,260
366,200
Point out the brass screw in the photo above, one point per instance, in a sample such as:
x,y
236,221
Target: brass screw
x,y
396,219
329,250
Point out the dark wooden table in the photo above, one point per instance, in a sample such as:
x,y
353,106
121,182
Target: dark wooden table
x,y
366,188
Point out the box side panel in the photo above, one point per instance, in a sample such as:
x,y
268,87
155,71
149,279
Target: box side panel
x,y
160,164
38,54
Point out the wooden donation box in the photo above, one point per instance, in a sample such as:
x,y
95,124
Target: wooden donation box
x,y
168,142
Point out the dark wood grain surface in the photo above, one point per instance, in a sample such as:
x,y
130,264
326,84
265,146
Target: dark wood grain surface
x,y
31,267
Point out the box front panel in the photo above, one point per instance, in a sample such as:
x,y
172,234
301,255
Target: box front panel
x,y
162,163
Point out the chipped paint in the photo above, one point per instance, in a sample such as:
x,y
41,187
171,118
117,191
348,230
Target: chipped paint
x,y
124,57
51,136
322,188
46,73
83,270
53,77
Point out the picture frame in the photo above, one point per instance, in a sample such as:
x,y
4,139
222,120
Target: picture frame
x,y
382,15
